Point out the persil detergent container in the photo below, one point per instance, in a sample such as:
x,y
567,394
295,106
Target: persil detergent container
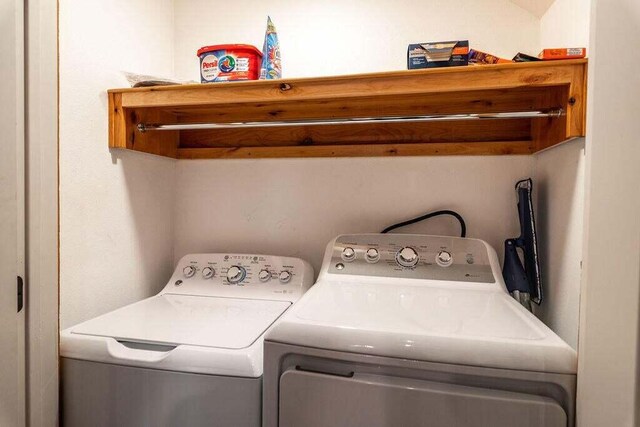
x,y
229,62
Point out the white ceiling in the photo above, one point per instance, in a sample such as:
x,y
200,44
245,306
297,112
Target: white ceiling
x,y
536,7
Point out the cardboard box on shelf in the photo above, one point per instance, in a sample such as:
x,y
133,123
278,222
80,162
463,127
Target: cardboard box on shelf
x,y
563,53
523,57
483,58
438,54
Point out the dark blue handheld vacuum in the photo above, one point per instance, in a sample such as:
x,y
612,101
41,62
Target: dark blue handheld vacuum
x,y
522,276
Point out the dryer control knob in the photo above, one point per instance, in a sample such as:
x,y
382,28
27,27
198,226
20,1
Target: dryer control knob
x,y
189,271
208,272
348,254
285,276
236,274
264,275
372,255
444,259
407,257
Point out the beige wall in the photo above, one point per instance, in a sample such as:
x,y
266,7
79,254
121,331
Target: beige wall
x,y
560,190
332,37
115,209
566,24
559,195
296,206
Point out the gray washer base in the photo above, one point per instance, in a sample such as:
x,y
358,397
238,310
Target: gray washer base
x,y
104,395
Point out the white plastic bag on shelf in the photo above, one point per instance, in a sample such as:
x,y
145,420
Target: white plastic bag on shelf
x,y
141,80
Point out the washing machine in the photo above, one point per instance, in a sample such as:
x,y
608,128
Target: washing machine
x,y
414,330
190,356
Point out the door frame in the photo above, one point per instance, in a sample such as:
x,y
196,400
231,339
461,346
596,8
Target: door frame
x,y
609,335
41,159
12,204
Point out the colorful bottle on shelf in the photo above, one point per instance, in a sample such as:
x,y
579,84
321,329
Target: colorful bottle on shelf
x,y
271,65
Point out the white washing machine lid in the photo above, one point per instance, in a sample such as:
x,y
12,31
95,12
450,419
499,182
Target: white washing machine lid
x,y
431,322
170,319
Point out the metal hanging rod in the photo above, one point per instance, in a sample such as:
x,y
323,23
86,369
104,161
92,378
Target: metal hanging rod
x,y
556,112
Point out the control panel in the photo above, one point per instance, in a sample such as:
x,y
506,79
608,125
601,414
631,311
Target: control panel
x,y
412,257
241,275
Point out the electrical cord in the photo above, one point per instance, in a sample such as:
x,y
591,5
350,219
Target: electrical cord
x,y
463,226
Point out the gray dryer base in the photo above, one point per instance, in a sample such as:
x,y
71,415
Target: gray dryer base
x,y
105,395
320,388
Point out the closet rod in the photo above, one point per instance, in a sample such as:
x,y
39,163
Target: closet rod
x,y
556,112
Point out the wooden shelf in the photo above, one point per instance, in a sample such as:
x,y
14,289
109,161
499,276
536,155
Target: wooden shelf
x,y
461,90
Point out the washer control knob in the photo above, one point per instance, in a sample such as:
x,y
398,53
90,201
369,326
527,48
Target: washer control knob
x,y
372,255
208,272
407,257
236,274
285,276
264,275
189,271
348,254
444,259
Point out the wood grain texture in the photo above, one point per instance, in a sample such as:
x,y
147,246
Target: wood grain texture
x,y
477,101
370,150
399,83
458,90
161,143
546,131
117,122
577,103
376,133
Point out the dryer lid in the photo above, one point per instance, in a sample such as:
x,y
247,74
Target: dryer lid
x,y
429,322
231,323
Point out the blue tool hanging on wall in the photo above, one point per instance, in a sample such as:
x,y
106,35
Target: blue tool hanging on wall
x,y
522,276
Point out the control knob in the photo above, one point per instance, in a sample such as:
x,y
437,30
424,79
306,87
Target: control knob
x,y
208,272
189,271
264,275
348,254
444,259
372,255
236,274
285,276
407,257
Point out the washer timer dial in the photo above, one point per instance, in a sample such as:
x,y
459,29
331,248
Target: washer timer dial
x,y
407,257
236,274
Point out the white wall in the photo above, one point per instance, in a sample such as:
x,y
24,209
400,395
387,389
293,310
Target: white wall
x,y
559,194
609,362
115,211
565,24
560,190
346,37
295,206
